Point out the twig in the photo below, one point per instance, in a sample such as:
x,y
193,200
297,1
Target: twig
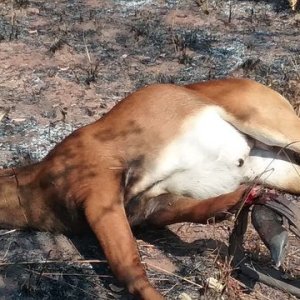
x,y
270,281
87,261
71,274
248,288
7,251
8,232
87,50
169,290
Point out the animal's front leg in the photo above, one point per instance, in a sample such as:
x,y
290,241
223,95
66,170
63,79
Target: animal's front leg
x,y
106,216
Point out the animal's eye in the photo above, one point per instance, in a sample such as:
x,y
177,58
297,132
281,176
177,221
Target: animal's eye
x,y
240,162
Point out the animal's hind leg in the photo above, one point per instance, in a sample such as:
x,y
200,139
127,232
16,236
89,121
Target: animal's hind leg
x,y
276,170
169,208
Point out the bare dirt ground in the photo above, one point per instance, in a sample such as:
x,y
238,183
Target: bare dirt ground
x,y
66,63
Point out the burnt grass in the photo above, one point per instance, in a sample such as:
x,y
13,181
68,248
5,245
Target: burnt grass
x,y
66,63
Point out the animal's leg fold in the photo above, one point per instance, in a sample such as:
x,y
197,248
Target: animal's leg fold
x,y
169,208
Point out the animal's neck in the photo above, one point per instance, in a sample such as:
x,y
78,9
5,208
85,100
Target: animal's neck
x,y
13,199
24,203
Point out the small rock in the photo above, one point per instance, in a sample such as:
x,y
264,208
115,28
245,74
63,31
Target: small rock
x,y
33,31
184,296
2,114
116,289
19,120
214,284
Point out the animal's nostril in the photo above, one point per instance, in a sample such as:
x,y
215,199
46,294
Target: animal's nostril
x,y
240,162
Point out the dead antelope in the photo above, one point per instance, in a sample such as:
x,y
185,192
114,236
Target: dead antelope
x,y
164,154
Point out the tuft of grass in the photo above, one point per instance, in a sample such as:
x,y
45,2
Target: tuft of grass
x,y
181,49
20,4
56,45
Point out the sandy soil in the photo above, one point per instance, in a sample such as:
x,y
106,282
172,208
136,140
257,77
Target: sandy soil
x,y
66,63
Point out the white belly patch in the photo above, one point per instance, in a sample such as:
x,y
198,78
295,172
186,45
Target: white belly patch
x,y
204,160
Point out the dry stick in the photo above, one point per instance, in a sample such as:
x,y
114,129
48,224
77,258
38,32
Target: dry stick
x,y
7,251
175,275
169,290
270,281
87,50
71,274
251,289
87,261
8,232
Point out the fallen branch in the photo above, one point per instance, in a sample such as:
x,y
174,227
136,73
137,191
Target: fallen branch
x,y
44,262
270,281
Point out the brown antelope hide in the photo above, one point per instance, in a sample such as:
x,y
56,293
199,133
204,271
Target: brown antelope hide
x,y
164,154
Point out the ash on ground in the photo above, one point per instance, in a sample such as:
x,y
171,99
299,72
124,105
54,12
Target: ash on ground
x,y
66,63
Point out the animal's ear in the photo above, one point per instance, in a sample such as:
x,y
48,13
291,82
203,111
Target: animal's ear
x,y
106,216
